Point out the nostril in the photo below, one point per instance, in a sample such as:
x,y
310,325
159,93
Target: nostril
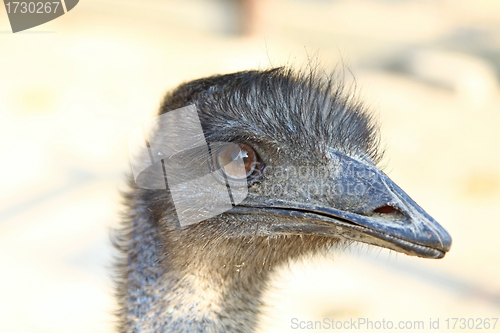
x,y
385,209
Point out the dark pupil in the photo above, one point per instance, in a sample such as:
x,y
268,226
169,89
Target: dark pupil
x,y
248,158
243,155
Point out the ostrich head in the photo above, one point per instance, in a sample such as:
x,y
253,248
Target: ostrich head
x,y
309,155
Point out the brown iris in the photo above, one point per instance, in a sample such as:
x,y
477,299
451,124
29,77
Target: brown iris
x,y
238,161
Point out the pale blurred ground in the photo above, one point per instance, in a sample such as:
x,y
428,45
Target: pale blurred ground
x,y
71,90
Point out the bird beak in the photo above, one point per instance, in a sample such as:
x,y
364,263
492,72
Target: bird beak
x,y
358,202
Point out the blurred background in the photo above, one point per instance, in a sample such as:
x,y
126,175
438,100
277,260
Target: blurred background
x,y
72,90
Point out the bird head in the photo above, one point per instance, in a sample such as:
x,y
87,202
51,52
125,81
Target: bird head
x,y
306,155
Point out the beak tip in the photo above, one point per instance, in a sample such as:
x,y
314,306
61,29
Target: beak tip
x,y
445,245
446,241
440,255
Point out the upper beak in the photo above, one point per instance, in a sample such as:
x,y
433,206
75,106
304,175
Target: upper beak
x,y
364,205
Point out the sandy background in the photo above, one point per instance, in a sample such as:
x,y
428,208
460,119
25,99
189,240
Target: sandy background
x,y
73,89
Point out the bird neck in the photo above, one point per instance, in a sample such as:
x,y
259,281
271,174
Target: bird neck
x,y
185,285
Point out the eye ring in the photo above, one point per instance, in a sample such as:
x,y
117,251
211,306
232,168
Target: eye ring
x,y
231,159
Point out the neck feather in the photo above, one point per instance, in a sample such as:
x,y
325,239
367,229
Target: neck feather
x,y
159,291
197,279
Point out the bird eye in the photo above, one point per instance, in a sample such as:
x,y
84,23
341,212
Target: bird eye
x,y
232,158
